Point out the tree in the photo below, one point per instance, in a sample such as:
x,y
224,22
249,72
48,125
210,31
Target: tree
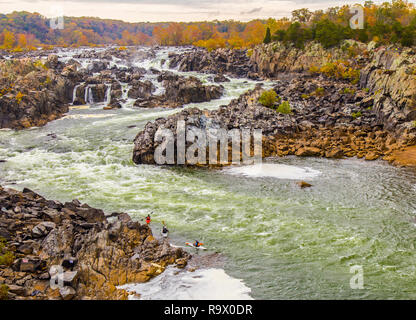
x,y
268,37
8,39
328,33
408,36
279,35
268,98
191,34
254,33
301,15
297,35
21,41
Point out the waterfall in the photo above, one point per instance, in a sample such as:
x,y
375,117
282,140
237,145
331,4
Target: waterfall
x,y
74,94
108,95
86,94
90,96
89,99
124,90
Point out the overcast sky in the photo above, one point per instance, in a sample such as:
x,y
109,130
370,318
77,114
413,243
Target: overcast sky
x,y
169,10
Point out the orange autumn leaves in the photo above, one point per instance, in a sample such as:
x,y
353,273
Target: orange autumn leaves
x,y
19,42
214,35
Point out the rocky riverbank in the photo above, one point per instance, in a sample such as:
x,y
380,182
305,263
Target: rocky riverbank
x,y
351,101
333,123
35,89
387,73
96,252
33,92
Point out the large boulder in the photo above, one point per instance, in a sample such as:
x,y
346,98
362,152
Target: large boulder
x,y
33,92
188,90
221,61
141,89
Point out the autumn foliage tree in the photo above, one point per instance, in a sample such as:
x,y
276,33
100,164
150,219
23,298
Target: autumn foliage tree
x,y
8,39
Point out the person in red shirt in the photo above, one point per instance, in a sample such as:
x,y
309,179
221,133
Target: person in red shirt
x,y
148,219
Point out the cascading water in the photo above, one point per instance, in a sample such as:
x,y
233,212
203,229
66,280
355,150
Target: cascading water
x,y
281,241
74,94
89,99
108,95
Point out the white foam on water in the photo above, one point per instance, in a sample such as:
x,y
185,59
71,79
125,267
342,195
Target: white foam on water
x,y
85,116
273,170
204,284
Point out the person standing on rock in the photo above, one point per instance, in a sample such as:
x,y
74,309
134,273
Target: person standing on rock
x,y
165,231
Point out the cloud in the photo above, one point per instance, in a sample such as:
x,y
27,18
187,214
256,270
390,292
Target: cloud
x,y
251,11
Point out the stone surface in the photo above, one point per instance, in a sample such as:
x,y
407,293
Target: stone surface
x,y
104,254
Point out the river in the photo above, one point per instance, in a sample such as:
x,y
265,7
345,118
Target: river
x,y
280,241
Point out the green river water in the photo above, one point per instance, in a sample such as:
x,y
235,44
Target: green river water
x,y
281,241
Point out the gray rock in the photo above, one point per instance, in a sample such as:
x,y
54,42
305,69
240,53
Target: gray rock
x,y
67,293
42,229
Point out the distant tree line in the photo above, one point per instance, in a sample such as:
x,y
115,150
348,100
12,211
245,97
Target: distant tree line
x,y
393,22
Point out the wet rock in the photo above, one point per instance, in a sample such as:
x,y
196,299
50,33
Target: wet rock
x,y
97,66
308,152
67,293
141,90
99,92
221,78
303,184
181,263
335,153
190,90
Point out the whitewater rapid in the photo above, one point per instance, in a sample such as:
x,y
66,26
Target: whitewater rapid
x,y
204,284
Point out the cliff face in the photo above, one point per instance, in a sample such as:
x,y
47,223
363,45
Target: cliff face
x,y
391,77
222,61
33,92
387,73
272,59
96,253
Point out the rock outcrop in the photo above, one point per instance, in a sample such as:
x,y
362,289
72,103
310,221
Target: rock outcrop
x,y
76,244
34,92
179,91
328,118
234,63
391,77
270,60
387,73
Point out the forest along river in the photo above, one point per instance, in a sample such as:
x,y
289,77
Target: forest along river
x,y
280,242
